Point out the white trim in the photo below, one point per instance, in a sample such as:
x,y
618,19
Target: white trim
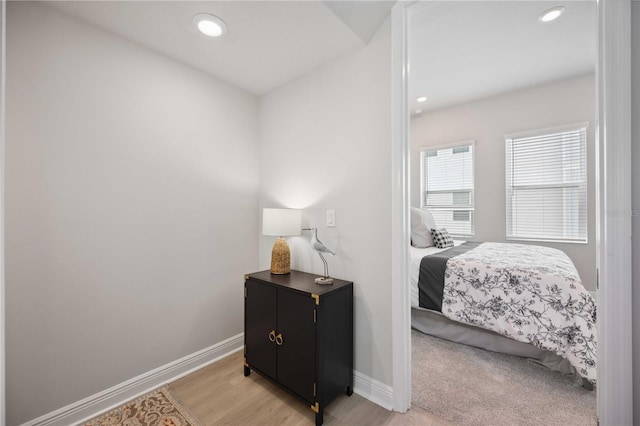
x,y
3,57
94,405
615,362
448,145
547,240
375,391
400,220
547,130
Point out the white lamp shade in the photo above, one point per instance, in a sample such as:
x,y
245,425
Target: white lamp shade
x,y
281,222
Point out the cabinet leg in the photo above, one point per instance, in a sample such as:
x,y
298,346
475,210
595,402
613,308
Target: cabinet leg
x,y
319,417
349,390
247,371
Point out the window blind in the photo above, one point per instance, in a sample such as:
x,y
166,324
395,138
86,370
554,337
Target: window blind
x,y
448,187
547,185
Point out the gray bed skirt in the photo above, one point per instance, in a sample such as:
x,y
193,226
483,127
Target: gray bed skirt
x,y
436,324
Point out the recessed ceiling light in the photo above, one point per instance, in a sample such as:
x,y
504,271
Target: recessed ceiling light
x,y
422,99
210,25
551,14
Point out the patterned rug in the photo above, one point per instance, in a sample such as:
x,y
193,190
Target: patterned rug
x,y
159,408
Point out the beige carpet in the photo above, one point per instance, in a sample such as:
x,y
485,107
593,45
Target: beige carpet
x,y
158,408
470,386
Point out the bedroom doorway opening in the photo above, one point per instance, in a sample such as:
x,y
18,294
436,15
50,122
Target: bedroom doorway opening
x,y
606,34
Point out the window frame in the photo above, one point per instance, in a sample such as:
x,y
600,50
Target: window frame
x,y
508,138
463,143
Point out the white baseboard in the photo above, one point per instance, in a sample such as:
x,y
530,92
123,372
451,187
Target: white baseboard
x,y
102,402
117,395
375,391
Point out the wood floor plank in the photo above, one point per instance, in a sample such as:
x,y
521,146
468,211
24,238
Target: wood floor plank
x,y
219,394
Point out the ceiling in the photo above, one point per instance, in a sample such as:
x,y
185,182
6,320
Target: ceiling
x,y
461,51
267,43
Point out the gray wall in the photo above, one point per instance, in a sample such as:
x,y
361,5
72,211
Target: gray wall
x,y
487,121
131,210
635,170
325,143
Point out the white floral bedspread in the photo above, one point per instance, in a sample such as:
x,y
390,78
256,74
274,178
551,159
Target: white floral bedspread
x,y
528,293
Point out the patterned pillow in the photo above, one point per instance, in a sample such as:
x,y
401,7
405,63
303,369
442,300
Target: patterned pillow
x,y
441,238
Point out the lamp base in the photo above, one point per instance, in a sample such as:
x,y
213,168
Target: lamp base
x,y
280,257
324,280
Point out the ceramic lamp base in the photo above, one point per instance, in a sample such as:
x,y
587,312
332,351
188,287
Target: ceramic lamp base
x,y
324,280
280,257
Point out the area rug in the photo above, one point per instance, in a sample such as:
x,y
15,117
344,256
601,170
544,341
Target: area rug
x,y
470,386
158,408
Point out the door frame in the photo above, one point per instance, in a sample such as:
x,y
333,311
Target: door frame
x,y
3,32
613,188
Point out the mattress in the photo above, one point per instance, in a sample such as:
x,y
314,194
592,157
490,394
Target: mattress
x,y
435,324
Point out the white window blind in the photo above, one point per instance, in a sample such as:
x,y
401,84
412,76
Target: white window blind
x,y
447,187
547,184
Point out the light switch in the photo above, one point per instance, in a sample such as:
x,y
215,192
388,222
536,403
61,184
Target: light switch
x,y
331,218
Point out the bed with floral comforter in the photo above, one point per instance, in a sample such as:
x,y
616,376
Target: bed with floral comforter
x,y
528,293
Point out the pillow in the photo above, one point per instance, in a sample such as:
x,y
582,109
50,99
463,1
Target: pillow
x,y
441,238
421,223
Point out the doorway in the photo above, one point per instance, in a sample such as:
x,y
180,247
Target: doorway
x,y
611,22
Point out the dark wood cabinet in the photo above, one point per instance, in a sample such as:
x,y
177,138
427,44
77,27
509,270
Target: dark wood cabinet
x,y
299,334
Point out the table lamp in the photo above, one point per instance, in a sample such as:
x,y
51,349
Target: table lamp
x,y
281,223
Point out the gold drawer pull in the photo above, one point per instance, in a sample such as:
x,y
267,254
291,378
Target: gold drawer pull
x,y
279,339
272,336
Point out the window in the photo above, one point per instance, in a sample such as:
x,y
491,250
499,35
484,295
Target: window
x,y
446,175
547,184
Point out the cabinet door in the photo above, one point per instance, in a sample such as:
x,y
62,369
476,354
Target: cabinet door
x,y
260,327
297,353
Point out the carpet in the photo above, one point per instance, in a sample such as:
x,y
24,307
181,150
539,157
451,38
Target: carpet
x,y
470,386
158,408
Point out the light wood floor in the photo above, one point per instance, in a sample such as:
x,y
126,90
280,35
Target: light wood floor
x,y
220,395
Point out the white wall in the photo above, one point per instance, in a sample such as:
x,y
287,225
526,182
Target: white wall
x,y
325,143
131,210
487,121
635,187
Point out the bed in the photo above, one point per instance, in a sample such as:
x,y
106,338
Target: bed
x,y
517,299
